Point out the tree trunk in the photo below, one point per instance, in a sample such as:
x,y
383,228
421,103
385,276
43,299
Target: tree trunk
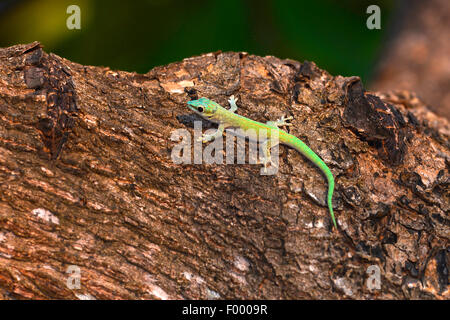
x,y
92,205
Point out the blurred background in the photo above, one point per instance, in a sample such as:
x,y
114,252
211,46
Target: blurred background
x,y
139,35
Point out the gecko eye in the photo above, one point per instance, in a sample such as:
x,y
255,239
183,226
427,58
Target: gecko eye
x,y
200,109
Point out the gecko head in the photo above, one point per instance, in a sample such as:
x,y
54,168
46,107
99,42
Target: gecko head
x,y
203,106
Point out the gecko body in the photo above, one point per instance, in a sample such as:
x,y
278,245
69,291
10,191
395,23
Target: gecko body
x,y
214,112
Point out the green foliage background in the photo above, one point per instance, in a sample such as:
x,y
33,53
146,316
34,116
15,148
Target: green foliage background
x,y
139,35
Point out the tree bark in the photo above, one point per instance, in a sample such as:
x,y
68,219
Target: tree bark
x,y
88,184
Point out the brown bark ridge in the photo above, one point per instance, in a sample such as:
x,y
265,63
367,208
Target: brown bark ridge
x,y
88,182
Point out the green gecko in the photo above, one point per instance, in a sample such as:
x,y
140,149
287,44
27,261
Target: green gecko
x,y
214,112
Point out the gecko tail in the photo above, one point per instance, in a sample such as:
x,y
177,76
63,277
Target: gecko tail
x,y
330,180
329,200
301,147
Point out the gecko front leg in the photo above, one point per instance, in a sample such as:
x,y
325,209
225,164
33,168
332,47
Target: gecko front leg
x,y
209,137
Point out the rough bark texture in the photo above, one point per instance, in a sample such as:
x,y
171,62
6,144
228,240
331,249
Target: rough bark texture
x,y
417,57
87,180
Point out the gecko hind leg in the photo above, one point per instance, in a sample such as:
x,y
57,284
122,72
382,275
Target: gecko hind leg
x,y
267,157
280,122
